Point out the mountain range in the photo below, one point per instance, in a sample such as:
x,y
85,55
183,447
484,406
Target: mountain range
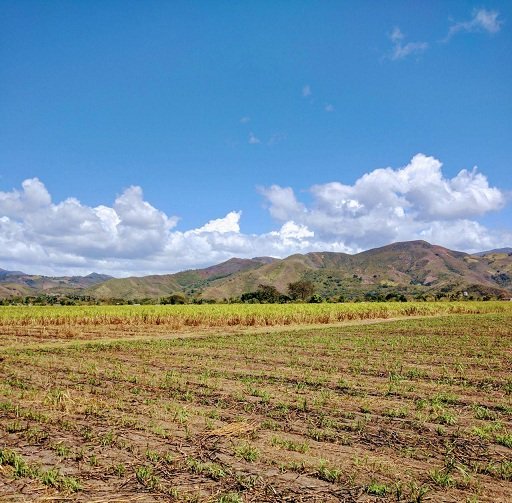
x,y
17,283
413,268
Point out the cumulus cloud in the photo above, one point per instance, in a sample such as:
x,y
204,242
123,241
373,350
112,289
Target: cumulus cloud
x,y
131,236
35,229
385,205
482,20
401,50
230,223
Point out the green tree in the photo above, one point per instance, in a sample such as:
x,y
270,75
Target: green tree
x,y
301,290
268,293
175,298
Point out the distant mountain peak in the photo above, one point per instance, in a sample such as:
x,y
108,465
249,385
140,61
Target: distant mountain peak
x,y
496,250
96,275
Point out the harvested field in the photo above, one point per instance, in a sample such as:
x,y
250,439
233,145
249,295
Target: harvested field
x,y
365,408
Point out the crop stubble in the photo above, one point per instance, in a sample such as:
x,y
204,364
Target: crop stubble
x,y
403,410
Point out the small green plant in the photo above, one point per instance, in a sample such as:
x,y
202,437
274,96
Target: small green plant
x,y
53,478
119,470
169,457
70,484
11,458
504,439
399,412
377,489
328,473
211,470
417,493
486,430
445,417
50,477
108,439
442,478
485,413
248,452
15,427
152,456
145,476
290,445
230,498
270,424
62,450
321,435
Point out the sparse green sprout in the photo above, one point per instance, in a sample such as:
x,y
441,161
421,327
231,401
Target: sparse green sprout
x,y
152,456
248,452
377,489
230,498
504,439
211,470
15,427
327,472
119,470
442,478
290,445
485,413
145,476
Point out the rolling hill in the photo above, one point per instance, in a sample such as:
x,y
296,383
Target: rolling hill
x,y
17,283
191,282
413,268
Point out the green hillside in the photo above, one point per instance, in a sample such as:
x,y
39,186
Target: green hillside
x,y
191,282
410,268
413,269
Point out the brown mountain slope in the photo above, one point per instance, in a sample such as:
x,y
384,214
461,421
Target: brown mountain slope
x,y
410,267
190,282
17,283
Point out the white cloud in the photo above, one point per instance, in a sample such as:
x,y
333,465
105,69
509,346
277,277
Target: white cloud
x,y
482,20
133,237
388,205
306,91
253,140
245,120
401,50
230,223
290,230
329,108
33,196
282,202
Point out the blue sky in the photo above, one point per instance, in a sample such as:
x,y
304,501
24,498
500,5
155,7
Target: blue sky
x,y
166,135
